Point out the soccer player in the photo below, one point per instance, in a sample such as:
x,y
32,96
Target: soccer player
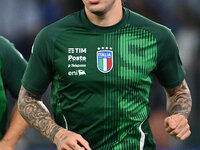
x,y
12,66
101,61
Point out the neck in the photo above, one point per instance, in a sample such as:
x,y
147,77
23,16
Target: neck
x,y
108,18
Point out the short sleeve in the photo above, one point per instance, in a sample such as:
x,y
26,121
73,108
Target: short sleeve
x,y
13,67
169,69
39,72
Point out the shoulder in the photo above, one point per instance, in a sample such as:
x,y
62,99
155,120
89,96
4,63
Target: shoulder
x,y
4,42
6,47
9,53
160,32
52,31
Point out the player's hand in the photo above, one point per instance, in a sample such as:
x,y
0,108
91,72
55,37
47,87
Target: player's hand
x,y
68,140
5,146
177,126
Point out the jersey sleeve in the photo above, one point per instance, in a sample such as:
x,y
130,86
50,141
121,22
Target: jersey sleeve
x,y
13,67
39,72
169,70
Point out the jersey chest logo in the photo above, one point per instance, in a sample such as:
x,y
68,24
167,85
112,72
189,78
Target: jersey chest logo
x,y
104,60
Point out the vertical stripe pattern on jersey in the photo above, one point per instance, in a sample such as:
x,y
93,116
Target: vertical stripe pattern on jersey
x,y
127,86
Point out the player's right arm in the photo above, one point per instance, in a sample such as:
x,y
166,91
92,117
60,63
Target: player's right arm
x,y
37,115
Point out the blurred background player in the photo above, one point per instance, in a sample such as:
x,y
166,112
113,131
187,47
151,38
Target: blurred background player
x,y
12,66
108,106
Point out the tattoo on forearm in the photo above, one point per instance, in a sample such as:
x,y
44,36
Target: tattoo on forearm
x,y
53,132
36,115
180,101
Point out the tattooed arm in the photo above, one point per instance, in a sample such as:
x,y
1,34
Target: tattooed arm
x,y
36,114
179,104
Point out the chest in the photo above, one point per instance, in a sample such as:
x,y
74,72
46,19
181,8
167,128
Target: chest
x,y
84,56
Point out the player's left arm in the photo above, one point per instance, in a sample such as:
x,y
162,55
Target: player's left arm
x,y
15,130
179,104
13,67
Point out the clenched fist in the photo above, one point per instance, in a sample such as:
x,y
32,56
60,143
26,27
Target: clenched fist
x,y
177,126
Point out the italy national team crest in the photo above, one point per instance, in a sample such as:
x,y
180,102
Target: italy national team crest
x,y
104,60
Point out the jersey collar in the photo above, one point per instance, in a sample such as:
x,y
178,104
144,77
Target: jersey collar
x,y
94,27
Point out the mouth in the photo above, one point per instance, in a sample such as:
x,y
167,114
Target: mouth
x,y
94,1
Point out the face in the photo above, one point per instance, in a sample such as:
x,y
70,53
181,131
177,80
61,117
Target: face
x,y
99,7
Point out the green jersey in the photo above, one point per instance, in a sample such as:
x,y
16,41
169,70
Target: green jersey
x,y
12,66
101,76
